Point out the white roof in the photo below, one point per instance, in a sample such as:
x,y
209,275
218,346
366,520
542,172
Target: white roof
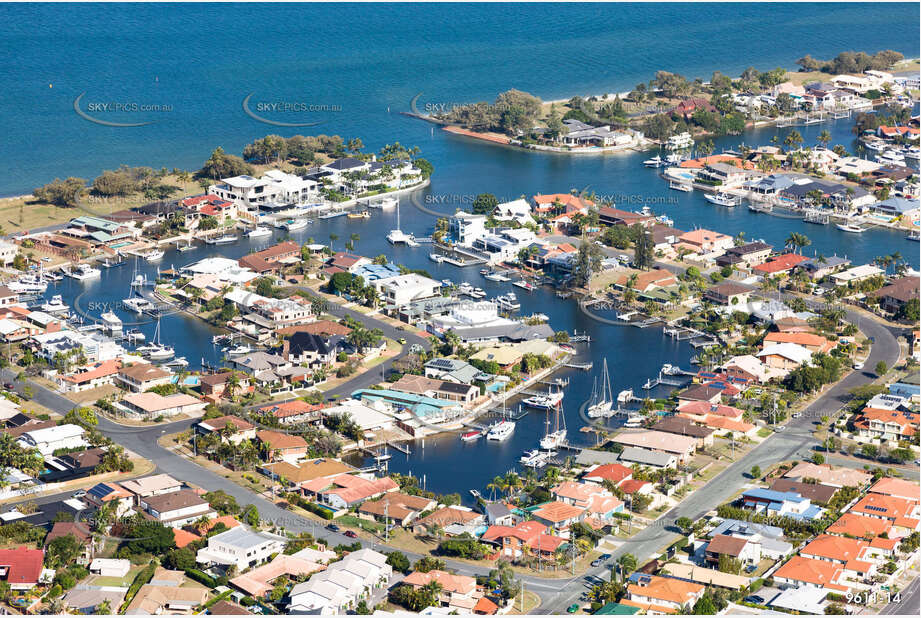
x,y
858,272
243,538
791,351
8,326
243,182
58,432
103,563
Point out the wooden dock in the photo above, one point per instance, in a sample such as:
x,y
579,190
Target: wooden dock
x,y
582,366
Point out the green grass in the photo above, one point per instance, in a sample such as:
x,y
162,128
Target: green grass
x,y
764,432
362,524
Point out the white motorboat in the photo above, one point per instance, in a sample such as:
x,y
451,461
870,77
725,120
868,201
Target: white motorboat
x,y
412,242
494,276
524,285
239,350
850,228
111,323
259,232
135,336
656,161
387,202
180,362
106,263
82,272
294,225
226,239
625,396
603,398
721,199
332,214
509,302
436,257
478,293
501,431
914,235
634,420
153,255
890,157
27,287
55,305
544,402
680,186
535,459
186,247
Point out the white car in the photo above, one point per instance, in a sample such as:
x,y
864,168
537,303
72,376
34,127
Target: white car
x,y
857,366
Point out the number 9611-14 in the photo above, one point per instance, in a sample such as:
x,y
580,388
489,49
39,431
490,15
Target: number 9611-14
x,y
874,597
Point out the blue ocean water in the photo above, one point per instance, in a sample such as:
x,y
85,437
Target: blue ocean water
x,y
202,60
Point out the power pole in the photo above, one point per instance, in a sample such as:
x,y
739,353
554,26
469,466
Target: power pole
x,y
387,519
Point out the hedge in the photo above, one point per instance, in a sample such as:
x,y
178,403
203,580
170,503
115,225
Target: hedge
x,y
143,577
202,578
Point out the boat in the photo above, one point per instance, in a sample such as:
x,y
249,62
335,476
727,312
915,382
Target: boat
x,y
851,228
634,420
509,302
721,199
82,272
294,225
914,235
447,283
111,323
475,494
557,437
156,350
135,336
153,255
625,395
55,305
359,215
226,239
388,202
477,293
495,276
332,214
890,157
436,257
259,232
180,362
544,402
501,431
53,276
603,398
383,456
221,338
680,186
535,458
671,370
412,242
113,264
656,161
470,436
137,304
525,285
184,248
25,286
239,350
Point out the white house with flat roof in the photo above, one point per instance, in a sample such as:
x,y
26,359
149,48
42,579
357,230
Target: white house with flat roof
x,y
50,439
465,228
404,289
274,187
241,547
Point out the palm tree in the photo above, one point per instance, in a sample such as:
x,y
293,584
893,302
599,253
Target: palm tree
x,y
333,238
354,237
824,138
627,564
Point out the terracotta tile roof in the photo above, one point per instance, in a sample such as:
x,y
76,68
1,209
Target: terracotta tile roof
x,y
780,263
278,440
900,488
398,505
99,370
817,572
809,340
309,470
143,372
666,589
320,327
907,421
460,584
544,202
859,526
23,565
705,407
291,408
898,510
556,512
220,422
183,537
485,607
610,472
449,515
726,545
258,581
837,548
632,486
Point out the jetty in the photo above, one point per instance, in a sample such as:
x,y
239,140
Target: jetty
x,y
583,366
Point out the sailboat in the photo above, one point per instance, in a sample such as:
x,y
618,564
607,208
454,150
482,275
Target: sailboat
x,y
156,350
553,439
397,236
602,399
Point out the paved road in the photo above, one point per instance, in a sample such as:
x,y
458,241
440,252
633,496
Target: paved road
x,y
910,605
795,441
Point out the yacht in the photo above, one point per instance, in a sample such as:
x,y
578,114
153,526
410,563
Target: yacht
x,y
153,255
721,199
890,157
259,232
55,305
397,236
634,420
180,362
851,228
239,350
226,239
625,396
914,235
509,302
294,225
478,293
544,402
332,214
111,323
674,158
436,257
186,247
557,437
534,459
82,272
106,263
656,161
501,431
524,285
603,398
156,350
471,436
135,336
680,186
27,285
913,154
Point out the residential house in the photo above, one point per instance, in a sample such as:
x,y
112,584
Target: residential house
x,y
342,585
153,405
886,424
770,539
662,595
295,412
237,428
458,593
904,514
853,555
21,567
785,356
745,550
706,241
615,216
686,427
729,293
653,459
148,486
779,264
816,492
214,385
311,350
746,255
700,393
779,503
682,447
165,594
464,394
281,446
827,475
396,507
110,567
895,295
614,472
51,439
140,377
347,490
176,508
806,572
812,342
448,516
81,532
821,267
240,547
897,488
558,516
92,376
259,581
273,259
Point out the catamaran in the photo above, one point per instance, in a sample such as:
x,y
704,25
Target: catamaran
x,y
501,431
397,236
602,399
82,272
544,402
554,439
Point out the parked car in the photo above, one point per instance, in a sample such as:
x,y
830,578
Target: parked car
x,y
351,534
332,527
79,493
401,340
572,609
857,366
597,562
